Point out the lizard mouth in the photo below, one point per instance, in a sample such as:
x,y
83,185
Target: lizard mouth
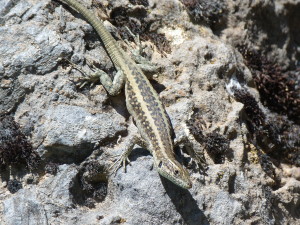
x,y
181,181
186,184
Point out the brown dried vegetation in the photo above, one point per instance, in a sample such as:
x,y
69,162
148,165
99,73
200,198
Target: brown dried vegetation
x,y
14,146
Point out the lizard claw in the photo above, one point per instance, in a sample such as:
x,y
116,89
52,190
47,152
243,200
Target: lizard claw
x,y
123,158
87,78
121,161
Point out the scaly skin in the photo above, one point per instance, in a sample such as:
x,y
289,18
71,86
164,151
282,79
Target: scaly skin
x,y
142,102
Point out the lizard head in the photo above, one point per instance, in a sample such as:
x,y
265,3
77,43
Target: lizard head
x,y
173,171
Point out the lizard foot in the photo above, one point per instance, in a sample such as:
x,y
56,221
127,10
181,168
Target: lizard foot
x,y
113,87
123,158
88,78
121,161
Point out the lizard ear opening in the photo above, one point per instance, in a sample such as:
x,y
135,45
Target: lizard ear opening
x,y
160,164
133,120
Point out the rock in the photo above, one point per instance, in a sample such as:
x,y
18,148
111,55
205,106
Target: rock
x,y
208,90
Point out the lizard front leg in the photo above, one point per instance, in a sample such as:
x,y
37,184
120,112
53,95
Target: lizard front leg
x,y
123,158
192,146
134,138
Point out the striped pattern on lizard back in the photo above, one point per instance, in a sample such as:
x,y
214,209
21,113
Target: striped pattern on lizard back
x,y
151,119
154,125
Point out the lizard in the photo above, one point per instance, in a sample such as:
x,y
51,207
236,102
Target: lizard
x,y
142,102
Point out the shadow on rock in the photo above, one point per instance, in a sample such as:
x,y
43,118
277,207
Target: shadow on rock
x,y
185,204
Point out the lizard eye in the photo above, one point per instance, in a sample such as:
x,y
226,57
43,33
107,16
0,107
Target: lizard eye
x,y
176,172
160,164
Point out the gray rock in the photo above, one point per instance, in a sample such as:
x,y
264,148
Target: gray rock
x,y
37,203
24,208
70,132
81,130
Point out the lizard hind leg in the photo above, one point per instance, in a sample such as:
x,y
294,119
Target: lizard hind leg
x,y
86,79
137,53
113,87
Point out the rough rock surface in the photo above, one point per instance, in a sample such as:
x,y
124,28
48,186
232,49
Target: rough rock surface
x,y
76,132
